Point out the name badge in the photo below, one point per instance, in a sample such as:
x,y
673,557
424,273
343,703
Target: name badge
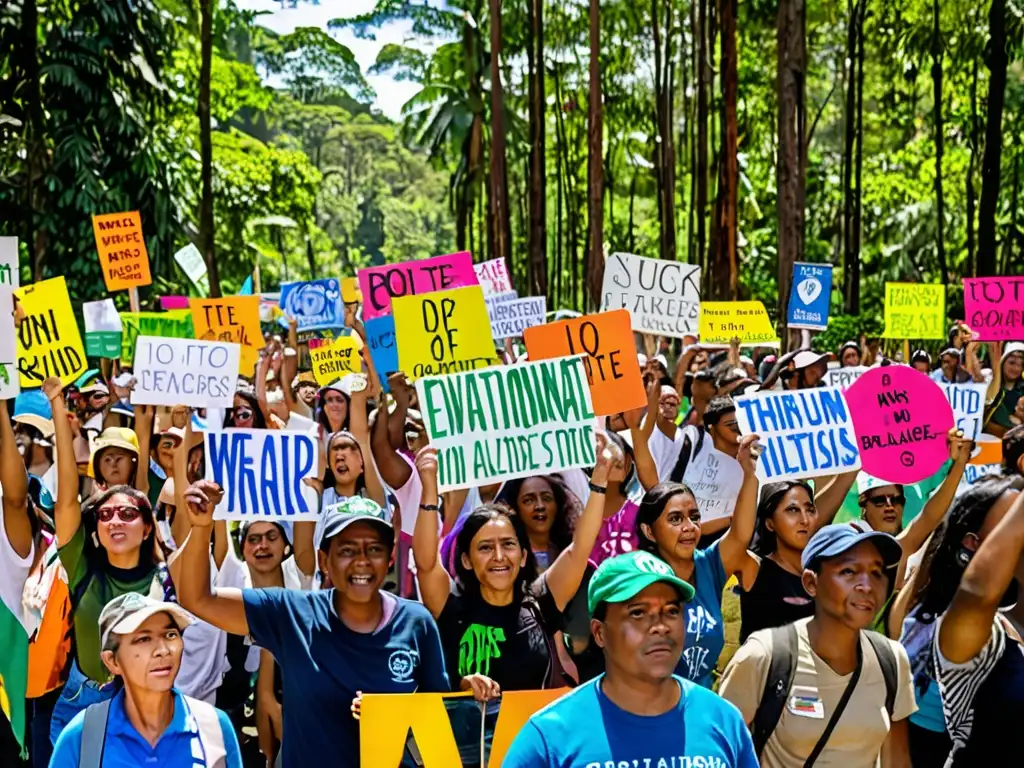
x,y
805,702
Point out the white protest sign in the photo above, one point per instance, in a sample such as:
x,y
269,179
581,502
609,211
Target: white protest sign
x,y
493,277
803,433
968,404
101,316
185,372
511,318
10,381
715,479
194,266
10,274
262,473
663,297
843,378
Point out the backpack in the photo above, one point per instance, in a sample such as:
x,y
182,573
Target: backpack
x,y
94,733
686,453
782,670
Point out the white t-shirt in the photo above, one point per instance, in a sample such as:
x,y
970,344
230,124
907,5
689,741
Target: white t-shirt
x,y
665,450
14,571
204,661
715,479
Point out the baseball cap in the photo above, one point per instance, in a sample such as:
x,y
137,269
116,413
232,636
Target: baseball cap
x,y
832,540
33,408
619,578
866,482
113,437
354,509
126,613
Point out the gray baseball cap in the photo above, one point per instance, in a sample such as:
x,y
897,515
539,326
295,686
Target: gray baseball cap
x,y
126,613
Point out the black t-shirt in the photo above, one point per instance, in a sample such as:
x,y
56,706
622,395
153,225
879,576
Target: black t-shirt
x,y
509,643
777,598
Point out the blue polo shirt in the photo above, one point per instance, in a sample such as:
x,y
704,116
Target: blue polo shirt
x,y
126,748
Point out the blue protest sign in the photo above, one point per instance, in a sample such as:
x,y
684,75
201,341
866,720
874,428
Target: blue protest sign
x,y
316,304
380,338
809,296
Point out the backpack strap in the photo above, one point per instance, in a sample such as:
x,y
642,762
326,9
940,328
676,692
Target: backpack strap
x,y
890,670
94,734
210,733
781,671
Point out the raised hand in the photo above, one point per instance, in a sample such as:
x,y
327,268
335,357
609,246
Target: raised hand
x,y
748,453
959,446
52,388
426,467
201,498
609,457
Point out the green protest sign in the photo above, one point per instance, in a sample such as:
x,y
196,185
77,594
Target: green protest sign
x,y
176,324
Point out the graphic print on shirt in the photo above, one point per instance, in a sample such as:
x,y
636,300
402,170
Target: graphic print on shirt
x,y
617,543
478,646
698,624
402,664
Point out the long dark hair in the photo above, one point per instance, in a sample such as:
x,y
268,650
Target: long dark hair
x,y
568,507
652,505
476,520
259,421
329,480
151,552
772,495
321,415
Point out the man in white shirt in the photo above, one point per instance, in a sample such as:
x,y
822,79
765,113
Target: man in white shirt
x,y
667,437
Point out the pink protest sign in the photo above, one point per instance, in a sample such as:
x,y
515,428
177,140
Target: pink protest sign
x,y
901,418
379,285
995,307
493,277
173,302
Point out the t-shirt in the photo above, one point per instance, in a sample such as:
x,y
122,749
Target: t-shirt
x,y
1008,404
705,629
617,535
324,663
584,729
777,598
665,450
816,690
715,479
14,571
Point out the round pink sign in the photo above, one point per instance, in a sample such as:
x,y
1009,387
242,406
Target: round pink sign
x,y
902,420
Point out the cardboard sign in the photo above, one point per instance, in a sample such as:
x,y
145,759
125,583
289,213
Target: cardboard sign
x,y
316,304
722,321
198,374
844,377
380,338
663,297
443,332
10,277
49,343
510,318
493,277
194,266
902,419
379,285
10,273
994,307
232,319
915,311
968,404
261,472
809,296
606,340
715,479
508,421
350,292
331,360
102,329
122,250
804,433
167,325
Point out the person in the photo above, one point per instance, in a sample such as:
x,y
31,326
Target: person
x,y
698,389
331,644
666,438
638,713
333,409
810,369
950,370
148,721
549,512
245,412
114,459
33,430
848,697
1008,385
921,362
1013,451
849,355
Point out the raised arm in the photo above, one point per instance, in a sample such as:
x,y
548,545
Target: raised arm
x,y
830,499
913,537
433,578
402,392
394,470
14,480
733,546
683,365
646,468
262,369
358,423
67,513
145,415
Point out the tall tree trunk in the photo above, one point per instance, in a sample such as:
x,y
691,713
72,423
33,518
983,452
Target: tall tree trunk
x,y
206,146
665,145
595,181
940,204
1011,231
538,194
703,85
971,194
858,168
726,272
991,160
790,168
37,159
851,256
502,227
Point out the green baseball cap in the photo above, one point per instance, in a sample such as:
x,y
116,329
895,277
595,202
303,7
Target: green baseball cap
x,y
620,578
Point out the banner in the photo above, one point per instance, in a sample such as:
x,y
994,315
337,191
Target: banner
x,y
915,311
493,277
809,296
663,297
350,292
443,332
379,285
10,277
198,374
262,473
231,319
331,360
102,329
994,307
122,250
968,404
844,377
715,479
192,264
902,419
48,343
510,318
722,321
380,338
167,325
507,421
606,340
803,433
316,304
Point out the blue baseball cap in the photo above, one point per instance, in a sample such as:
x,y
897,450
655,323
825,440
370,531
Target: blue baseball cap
x,y
832,540
33,408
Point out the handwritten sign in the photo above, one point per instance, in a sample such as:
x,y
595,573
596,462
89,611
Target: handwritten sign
x,y
844,377
380,338
316,304
715,479
331,360
610,362
915,311
10,274
809,296
194,266
493,277
379,285
804,433
262,473
232,319
508,421
663,297
169,325
350,292
102,329
198,374
443,332
722,321
49,343
10,278
902,419
122,250
510,318
174,302
968,404
995,307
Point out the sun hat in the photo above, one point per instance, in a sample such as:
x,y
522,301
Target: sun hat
x,y
33,408
622,577
832,540
126,613
113,437
806,359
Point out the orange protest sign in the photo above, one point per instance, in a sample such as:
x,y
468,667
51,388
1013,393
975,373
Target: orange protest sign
x,y
122,249
607,341
234,319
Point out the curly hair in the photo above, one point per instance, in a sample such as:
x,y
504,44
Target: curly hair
x,y
568,506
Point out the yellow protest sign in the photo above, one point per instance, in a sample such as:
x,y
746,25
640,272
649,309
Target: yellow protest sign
x,y
332,360
233,319
915,311
122,250
722,321
350,292
49,343
443,332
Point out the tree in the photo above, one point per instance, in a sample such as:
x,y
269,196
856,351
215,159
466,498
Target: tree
x,y
726,267
997,62
595,168
501,231
538,262
940,206
206,238
664,152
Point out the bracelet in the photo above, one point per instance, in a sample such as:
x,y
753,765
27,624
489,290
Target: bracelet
x,y
594,488
430,507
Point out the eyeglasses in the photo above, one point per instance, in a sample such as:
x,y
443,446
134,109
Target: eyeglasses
x,y
887,501
254,539
125,514
98,396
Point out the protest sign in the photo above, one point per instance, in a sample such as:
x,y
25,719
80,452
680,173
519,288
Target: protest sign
x,y
10,278
380,338
10,274
379,285
48,343
173,302
610,359
508,421
844,377
102,329
231,319
315,304
169,325
722,321
902,419
994,307
493,277
262,473
192,264
511,318
350,292
915,311
988,449
122,250
715,479
331,360
968,404
188,372
803,433
443,332
663,297
809,296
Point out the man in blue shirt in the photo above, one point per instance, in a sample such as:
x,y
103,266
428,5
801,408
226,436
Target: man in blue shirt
x,y
638,713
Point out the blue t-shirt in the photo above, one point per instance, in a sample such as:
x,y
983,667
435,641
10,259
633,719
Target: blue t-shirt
x,y
323,663
125,748
584,728
705,630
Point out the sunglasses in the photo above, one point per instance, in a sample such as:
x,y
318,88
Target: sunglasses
x,y
887,501
124,514
98,396
243,413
